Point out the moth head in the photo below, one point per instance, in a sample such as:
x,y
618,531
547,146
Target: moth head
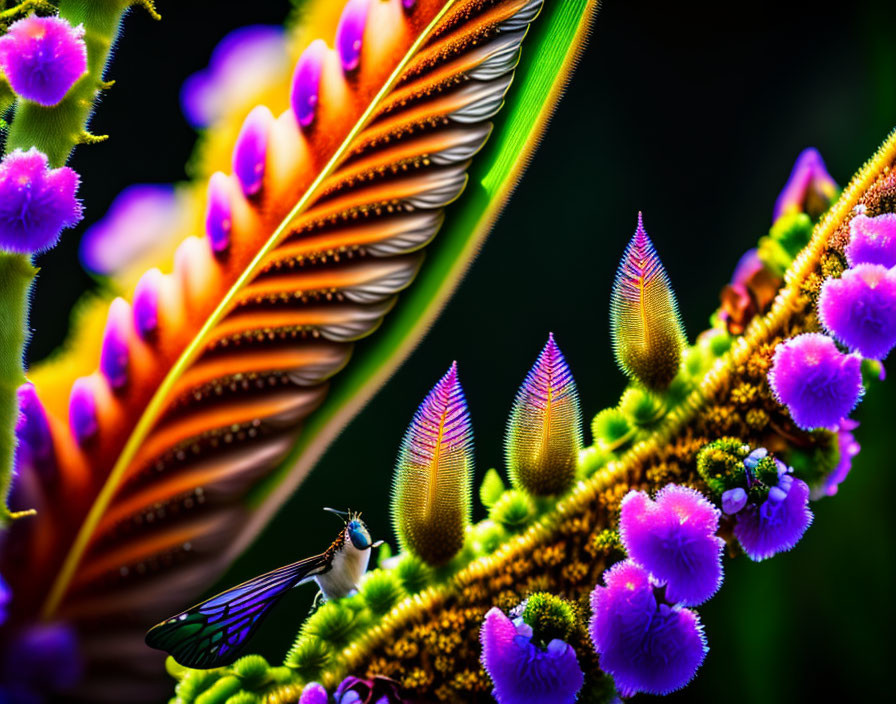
x,y
355,529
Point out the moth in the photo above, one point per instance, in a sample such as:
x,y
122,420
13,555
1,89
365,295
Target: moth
x,y
214,632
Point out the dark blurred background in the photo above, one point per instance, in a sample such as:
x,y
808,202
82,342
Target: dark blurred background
x,y
691,112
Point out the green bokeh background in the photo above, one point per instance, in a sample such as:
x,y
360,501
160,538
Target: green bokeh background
x,y
691,112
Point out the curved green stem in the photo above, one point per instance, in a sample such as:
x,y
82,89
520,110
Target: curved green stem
x,y
55,131
16,275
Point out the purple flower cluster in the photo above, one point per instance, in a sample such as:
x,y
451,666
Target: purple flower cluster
x,y
647,646
523,672
817,382
770,506
36,202
314,693
645,637
674,539
872,240
778,523
849,448
355,690
859,309
42,58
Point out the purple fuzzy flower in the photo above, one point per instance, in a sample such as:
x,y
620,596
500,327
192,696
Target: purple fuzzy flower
x,y
810,188
872,240
674,538
42,57
522,672
819,384
849,448
646,646
314,693
779,523
243,64
859,309
36,202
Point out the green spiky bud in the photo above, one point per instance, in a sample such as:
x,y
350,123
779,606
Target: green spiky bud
x,y
335,622
550,617
648,337
696,361
678,390
640,407
514,511
719,343
431,497
491,488
220,691
381,590
309,656
787,237
720,464
281,674
489,536
544,431
414,574
195,682
610,426
592,459
252,669
792,231
175,669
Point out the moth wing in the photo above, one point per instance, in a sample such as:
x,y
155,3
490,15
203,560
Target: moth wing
x,y
213,633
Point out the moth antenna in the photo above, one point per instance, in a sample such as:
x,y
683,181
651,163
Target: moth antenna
x,y
336,512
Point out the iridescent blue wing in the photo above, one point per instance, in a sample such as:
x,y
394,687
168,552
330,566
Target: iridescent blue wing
x,y
213,633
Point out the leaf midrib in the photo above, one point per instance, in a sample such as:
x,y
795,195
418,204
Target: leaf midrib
x,y
156,405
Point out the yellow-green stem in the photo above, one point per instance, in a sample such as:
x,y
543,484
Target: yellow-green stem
x,y
54,131
16,275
